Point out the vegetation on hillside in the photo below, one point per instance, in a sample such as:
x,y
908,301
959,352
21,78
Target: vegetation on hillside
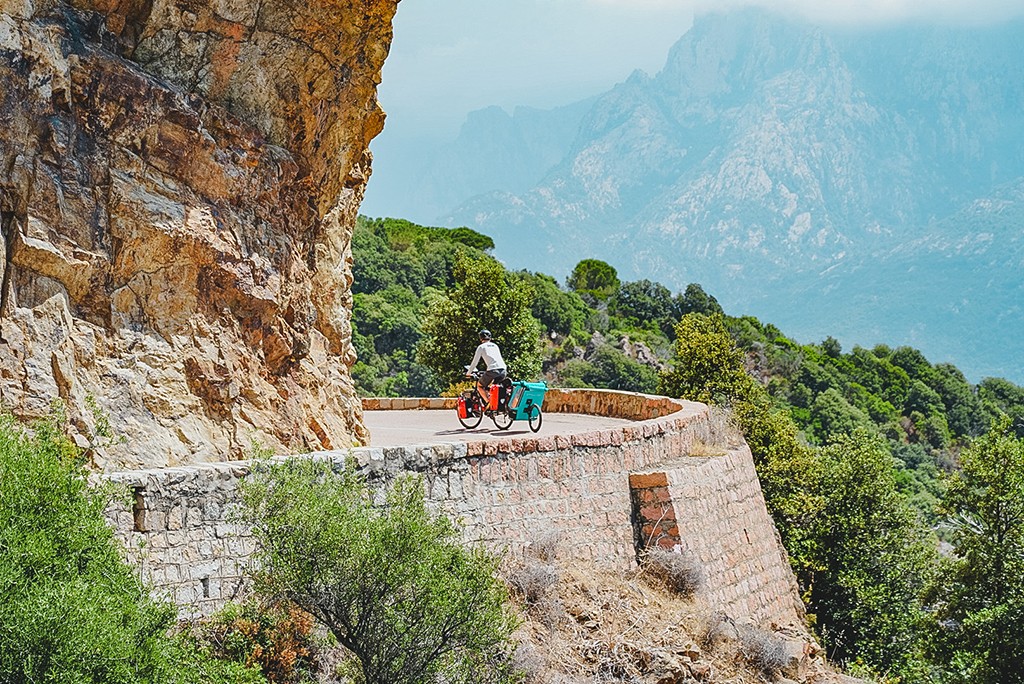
x,y
73,610
859,453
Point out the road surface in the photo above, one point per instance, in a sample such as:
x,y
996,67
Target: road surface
x,y
404,428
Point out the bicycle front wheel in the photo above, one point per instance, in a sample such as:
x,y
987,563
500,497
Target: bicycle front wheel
x,y
474,414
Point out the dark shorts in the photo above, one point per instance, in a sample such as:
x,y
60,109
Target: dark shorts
x,y
498,374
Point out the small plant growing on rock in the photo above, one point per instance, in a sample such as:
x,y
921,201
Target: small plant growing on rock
x,y
762,650
533,580
680,573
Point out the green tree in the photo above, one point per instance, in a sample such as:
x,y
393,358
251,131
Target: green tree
x,y
707,365
998,397
72,610
980,598
594,278
830,347
695,300
871,558
964,413
833,415
643,301
557,311
485,296
609,368
392,583
390,318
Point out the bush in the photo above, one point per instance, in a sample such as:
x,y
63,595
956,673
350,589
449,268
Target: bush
x,y
278,639
72,610
680,573
533,580
762,650
392,582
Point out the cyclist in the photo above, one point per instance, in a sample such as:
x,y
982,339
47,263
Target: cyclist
x,y
489,353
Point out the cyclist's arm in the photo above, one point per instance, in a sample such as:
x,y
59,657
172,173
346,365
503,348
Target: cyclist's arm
x,y
476,358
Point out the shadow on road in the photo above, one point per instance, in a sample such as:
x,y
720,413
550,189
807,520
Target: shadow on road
x,y
494,432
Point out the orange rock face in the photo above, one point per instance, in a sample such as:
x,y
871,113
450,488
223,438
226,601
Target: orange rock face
x,y
179,180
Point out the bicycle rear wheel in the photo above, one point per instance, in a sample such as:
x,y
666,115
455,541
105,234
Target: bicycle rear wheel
x,y
474,413
502,419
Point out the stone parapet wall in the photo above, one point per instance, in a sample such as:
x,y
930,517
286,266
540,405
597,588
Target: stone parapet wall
x,y
508,493
595,402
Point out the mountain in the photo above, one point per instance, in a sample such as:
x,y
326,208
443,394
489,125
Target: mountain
x,y
496,151
835,182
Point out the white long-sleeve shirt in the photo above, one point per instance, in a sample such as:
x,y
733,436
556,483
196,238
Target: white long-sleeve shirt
x,y
489,353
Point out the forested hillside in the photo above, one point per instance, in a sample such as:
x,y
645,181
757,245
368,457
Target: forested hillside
x,y
867,457
860,183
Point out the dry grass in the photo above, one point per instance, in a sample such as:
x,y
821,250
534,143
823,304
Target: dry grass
x,y
596,626
679,572
763,650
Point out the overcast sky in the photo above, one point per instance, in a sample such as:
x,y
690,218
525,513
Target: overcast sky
x,y
450,57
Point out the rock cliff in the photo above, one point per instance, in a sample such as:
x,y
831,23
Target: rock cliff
x,y
179,180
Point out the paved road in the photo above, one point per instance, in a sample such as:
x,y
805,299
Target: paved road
x,y
402,428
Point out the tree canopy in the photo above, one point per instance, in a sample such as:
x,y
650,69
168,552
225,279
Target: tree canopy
x,y
595,278
485,296
391,581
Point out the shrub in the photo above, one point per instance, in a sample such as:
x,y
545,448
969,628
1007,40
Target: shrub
x,y
680,573
545,547
533,580
762,650
72,610
391,582
276,638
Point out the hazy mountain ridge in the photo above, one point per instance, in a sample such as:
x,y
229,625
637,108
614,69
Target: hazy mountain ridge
x,y
770,160
497,150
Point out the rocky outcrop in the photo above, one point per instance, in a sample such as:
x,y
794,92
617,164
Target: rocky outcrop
x,y
179,180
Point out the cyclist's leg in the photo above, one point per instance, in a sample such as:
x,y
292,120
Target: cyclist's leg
x,y
485,382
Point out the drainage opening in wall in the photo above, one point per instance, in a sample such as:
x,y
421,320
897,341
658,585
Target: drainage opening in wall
x,y
139,509
652,514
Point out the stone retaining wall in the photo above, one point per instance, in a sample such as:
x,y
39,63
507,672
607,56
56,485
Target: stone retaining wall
x,y
508,493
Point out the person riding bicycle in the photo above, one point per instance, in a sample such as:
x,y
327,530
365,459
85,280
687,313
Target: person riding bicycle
x,y
489,353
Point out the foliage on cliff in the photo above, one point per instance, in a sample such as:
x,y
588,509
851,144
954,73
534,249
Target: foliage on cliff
x,y
72,609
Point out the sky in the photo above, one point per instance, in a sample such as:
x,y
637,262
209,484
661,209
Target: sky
x,y
451,57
